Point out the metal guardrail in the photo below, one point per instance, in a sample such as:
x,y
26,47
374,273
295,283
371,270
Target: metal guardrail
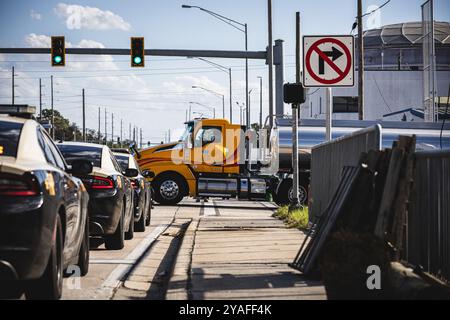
x,y
329,158
428,221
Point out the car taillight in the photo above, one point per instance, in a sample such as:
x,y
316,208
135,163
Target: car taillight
x,y
14,185
96,182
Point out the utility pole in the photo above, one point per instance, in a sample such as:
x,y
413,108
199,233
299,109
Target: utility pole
x,y
260,103
99,129
13,85
231,97
112,130
121,123
360,64
53,116
40,99
140,138
106,129
247,96
84,118
270,60
134,133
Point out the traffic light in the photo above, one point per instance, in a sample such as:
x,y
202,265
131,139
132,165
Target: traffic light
x,y
58,51
137,52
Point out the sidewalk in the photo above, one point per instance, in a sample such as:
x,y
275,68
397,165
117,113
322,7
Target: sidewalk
x,y
236,250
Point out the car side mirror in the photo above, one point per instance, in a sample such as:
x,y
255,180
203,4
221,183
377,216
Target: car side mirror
x,y
148,174
81,167
131,173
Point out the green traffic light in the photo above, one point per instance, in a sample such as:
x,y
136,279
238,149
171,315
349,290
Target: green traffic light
x,y
137,60
57,59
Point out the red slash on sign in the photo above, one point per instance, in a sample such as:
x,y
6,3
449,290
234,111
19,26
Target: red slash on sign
x,y
337,51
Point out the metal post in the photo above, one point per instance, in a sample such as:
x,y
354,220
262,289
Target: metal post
x,y
231,97
99,129
12,87
223,106
270,60
295,111
279,78
40,99
360,64
140,138
106,129
260,102
329,113
112,130
84,118
121,124
129,133
246,80
53,116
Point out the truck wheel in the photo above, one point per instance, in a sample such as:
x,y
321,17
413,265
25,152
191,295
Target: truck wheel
x,y
169,189
115,241
49,286
282,196
302,194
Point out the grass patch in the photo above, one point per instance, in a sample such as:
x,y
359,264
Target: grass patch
x,y
295,219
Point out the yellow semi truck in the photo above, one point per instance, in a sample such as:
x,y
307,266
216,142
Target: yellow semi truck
x,y
209,160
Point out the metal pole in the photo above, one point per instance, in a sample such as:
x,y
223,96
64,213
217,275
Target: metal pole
x,y
106,129
231,97
40,99
360,64
99,129
223,106
129,133
53,116
246,80
329,113
270,60
295,111
140,139
260,102
12,85
112,130
121,124
84,118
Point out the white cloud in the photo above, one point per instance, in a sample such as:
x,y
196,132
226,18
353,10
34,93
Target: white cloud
x,y
35,15
84,17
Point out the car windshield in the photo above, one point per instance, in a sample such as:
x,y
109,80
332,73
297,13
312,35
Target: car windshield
x,y
76,152
9,138
123,161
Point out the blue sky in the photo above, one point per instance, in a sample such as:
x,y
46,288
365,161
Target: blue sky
x,y
163,88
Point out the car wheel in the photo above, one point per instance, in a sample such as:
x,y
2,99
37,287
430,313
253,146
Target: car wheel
x,y
169,189
130,233
83,256
116,240
49,286
139,226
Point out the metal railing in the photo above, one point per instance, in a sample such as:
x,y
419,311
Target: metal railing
x,y
428,220
329,158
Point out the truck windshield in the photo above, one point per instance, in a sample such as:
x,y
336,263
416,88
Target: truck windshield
x,y
189,129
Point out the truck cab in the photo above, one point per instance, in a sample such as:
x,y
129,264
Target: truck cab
x,y
207,161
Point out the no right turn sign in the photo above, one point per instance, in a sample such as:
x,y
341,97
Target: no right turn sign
x,y
328,61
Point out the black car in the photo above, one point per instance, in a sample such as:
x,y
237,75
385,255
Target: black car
x,y
43,209
110,193
142,190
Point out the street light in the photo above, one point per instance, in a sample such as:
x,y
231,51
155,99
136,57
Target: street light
x,y
241,108
205,106
227,70
216,94
237,25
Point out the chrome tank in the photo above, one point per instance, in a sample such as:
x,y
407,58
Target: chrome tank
x,y
311,132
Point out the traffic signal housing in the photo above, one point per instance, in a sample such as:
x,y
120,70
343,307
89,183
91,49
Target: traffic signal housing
x,y
58,51
137,52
